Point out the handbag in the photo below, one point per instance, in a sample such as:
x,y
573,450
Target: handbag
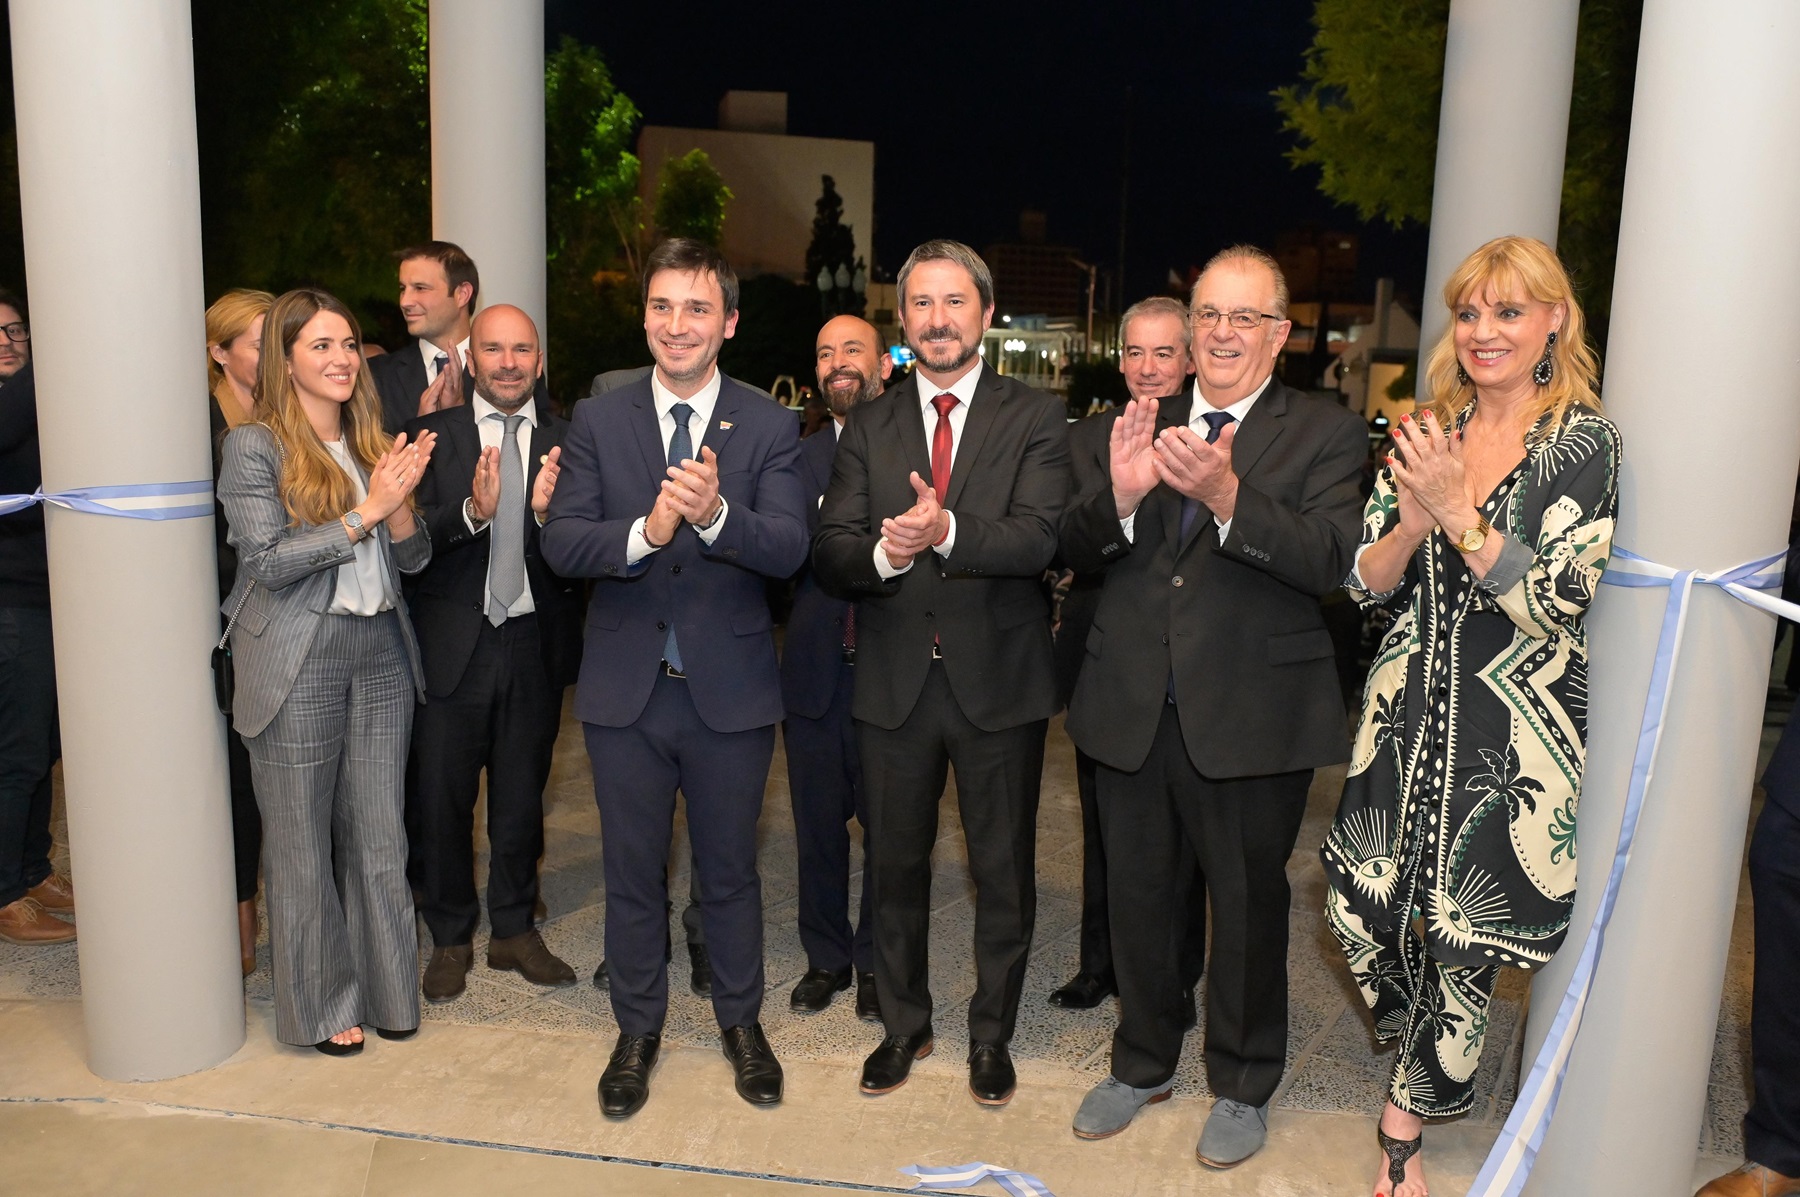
x,y
224,675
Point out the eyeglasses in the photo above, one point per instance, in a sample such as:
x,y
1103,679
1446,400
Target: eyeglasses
x,y
16,332
1245,318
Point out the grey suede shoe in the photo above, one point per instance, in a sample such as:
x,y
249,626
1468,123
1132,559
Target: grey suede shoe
x,y
1234,1132
1110,1106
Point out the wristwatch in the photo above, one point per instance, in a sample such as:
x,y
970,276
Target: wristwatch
x,y
1472,540
353,520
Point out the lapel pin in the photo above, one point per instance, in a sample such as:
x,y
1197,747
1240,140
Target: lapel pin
x,y
724,424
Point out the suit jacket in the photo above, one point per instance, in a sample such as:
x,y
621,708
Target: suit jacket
x,y
449,598
399,379
613,464
1075,617
812,653
1238,623
295,571
985,603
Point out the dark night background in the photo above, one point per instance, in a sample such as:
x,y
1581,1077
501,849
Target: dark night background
x,y
978,111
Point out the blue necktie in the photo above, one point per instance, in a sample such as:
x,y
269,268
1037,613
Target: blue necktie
x,y
681,448
1215,424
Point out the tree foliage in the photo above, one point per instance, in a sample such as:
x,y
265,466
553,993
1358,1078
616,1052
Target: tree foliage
x,y
1365,113
690,199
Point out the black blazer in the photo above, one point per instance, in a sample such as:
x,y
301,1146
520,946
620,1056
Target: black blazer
x,y
448,598
1239,623
1087,439
400,379
986,602
813,648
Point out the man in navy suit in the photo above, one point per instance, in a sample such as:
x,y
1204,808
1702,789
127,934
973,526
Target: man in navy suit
x,y
817,678
438,285
681,494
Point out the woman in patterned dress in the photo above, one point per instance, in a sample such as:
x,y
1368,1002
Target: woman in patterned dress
x,y
1453,850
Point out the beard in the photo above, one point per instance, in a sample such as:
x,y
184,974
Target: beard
x,y
507,390
840,402
947,357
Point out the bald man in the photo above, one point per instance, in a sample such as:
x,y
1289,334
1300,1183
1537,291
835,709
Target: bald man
x,y
501,637
817,676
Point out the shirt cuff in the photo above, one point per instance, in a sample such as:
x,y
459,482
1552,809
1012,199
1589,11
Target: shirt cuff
x,y
1512,564
884,567
1224,531
1128,526
468,513
711,532
1354,578
949,543
637,545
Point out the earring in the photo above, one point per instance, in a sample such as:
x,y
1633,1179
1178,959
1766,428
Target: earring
x,y
1462,375
1545,370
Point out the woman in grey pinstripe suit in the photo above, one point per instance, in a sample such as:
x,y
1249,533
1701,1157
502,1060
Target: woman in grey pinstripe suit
x,y
321,517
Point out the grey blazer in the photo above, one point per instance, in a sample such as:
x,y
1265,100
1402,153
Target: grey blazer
x,y
295,574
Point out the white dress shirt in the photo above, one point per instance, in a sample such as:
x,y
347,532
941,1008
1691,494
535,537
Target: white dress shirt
x,y
637,547
430,353
362,581
964,390
1196,421
490,426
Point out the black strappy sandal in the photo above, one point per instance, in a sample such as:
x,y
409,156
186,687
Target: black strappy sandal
x,y
338,1049
1398,1151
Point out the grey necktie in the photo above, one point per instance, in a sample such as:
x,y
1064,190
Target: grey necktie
x,y
681,447
506,550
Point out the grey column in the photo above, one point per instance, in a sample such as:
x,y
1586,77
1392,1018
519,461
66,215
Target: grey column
x,y
1509,66
109,185
1708,237
487,143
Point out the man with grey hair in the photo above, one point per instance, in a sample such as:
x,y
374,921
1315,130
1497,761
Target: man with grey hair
x,y
940,520
1219,518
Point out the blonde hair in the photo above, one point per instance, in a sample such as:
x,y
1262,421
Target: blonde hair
x,y
229,318
314,488
1516,267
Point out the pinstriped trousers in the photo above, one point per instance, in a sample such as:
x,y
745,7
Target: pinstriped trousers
x,y
330,775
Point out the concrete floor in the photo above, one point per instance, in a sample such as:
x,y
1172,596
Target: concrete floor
x,y
497,1092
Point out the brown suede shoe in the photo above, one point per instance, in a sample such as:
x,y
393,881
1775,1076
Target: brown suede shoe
x,y
1752,1180
55,893
526,955
447,972
25,922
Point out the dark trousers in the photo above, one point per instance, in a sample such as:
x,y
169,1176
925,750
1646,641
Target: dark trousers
x,y
997,775
29,746
1242,830
1772,1127
1096,935
721,776
502,717
246,819
825,783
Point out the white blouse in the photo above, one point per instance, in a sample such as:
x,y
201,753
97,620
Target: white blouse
x,y
362,582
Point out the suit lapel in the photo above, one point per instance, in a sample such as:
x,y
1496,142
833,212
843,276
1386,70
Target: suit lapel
x,y
465,441
819,457
909,427
724,418
648,429
990,395
1262,427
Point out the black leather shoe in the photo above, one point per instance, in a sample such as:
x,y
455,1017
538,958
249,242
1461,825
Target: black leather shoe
x,y
700,979
1084,992
447,972
991,1077
758,1071
1190,1016
600,974
813,992
868,998
625,1085
886,1068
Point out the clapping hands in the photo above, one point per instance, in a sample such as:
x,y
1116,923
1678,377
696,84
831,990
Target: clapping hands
x,y
921,526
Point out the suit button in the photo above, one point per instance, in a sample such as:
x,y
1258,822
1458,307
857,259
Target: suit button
x,y
1165,637
1177,580
931,615
661,626
675,569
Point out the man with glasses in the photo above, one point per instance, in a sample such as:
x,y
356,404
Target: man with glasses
x,y
1210,692
29,889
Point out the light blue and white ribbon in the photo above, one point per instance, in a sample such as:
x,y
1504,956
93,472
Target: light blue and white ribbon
x,y
141,501
966,1176
1510,1161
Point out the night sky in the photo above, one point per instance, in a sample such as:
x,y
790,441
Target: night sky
x,y
995,108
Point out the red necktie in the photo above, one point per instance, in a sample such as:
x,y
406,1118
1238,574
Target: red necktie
x,y
943,444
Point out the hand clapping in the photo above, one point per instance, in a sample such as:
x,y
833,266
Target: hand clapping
x,y
1428,473
1131,455
1198,470
397,474
921,526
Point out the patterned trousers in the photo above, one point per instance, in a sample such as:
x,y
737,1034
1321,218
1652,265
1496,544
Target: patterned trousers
x,y
1438,1012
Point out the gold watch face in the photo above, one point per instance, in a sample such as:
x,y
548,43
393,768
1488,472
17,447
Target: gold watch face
x,y
1472,540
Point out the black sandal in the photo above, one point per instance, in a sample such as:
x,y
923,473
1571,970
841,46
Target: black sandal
x,y
338,1049
1398,1151
387,1034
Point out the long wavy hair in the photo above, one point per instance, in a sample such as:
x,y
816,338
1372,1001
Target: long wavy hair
x,y
314,488
1517,268
229,318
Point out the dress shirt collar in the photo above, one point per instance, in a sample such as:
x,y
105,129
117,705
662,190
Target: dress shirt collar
x,y
430,352
1238,410
702,401
963,389
484,409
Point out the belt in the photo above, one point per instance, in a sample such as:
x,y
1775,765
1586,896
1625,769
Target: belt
x,y
674,672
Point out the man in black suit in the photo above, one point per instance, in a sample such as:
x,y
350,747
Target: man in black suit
x,y
940,520
438,286
817,679
1210,691
500,635
681,494
1154,357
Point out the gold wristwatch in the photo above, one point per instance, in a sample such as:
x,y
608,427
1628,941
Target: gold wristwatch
x,y
1472,540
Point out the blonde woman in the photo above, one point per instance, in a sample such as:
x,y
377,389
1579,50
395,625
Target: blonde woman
x,y
1453,851
234,326
319,503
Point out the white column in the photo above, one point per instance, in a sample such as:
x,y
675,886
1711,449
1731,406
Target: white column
x,y
109,185
1706,396
1508,69
487,143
